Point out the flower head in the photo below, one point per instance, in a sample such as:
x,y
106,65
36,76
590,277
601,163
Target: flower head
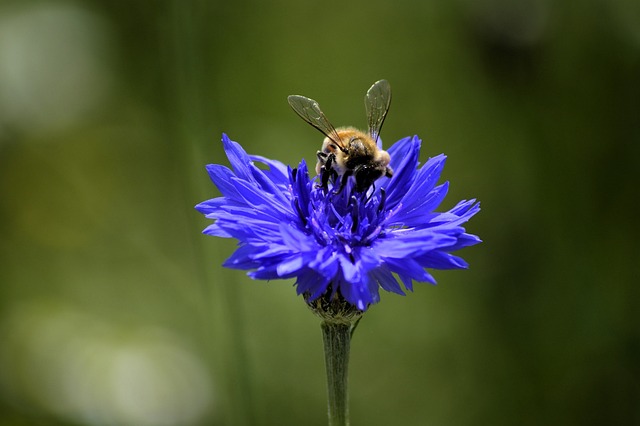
x,y
345,243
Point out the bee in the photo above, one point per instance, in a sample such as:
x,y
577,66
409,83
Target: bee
x,y
347,151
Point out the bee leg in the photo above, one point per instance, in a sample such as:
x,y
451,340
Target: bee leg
x,y
326,171
343,181
373,190
325,174
322,157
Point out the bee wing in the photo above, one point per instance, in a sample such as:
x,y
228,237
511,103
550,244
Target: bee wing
x,y
377,101
310,111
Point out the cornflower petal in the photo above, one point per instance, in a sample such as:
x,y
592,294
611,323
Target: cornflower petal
x,y
277,171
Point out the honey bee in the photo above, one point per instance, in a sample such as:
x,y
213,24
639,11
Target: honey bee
x,y
347,151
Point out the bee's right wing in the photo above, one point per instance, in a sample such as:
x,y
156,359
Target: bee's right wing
x,y
309,111
377,103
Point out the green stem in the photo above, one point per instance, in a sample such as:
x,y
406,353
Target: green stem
x,y
337,340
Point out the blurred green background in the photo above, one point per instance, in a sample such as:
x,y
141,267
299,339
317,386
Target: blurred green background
x,y
114,309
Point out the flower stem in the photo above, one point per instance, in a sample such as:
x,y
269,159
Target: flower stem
x,y
337,341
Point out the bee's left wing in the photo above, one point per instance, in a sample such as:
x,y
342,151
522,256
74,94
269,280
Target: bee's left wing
x,y
377,101
310,111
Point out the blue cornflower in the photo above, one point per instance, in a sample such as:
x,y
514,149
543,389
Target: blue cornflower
x,y
348,243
